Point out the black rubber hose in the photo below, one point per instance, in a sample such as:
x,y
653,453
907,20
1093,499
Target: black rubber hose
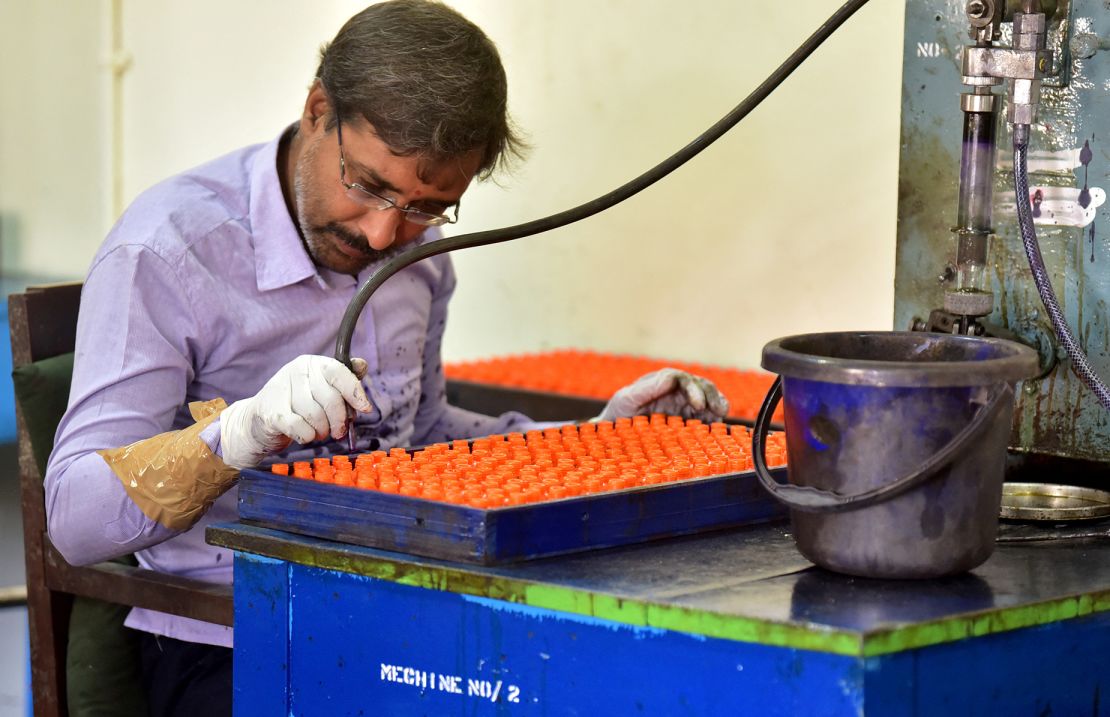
x,y
1079,362
653,175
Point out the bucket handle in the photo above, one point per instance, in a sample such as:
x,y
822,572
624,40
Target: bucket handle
x,y
815,500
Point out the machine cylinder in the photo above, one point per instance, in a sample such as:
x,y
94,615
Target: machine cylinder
x,y
977,172
973,219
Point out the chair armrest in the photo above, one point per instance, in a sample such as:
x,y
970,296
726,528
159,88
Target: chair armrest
x,y
139,587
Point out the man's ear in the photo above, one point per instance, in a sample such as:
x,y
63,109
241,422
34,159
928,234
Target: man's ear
x,y
317,108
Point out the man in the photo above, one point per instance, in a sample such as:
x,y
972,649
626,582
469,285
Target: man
x,y
228,282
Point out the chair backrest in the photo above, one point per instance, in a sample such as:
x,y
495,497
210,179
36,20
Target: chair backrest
x,y
43,324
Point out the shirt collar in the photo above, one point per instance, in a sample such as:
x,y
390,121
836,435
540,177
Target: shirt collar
x,y
280,257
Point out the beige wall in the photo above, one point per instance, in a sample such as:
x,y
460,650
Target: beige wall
x,y
785,225
53,142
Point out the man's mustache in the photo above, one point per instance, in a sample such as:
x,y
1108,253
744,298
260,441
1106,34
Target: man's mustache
x,y
359,242
351,239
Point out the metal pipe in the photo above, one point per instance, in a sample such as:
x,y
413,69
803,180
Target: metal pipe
x,y
119,62
1048,7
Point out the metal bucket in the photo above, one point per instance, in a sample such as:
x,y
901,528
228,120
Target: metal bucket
x,y
896,446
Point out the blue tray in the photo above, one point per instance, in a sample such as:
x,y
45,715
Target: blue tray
x,y
498,535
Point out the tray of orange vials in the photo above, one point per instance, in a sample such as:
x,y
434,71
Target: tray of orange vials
x,y
521,496
598,375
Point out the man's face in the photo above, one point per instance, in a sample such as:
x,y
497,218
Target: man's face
x,y
340,233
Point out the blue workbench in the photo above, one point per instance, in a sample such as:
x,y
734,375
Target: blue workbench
x,y
734,622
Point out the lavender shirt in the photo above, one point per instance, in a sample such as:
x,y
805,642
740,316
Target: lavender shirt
x,y
204,289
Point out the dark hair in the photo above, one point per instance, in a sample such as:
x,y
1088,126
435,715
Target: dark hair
x,y
428,80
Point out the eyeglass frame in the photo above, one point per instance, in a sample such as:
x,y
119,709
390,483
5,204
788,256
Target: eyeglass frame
x,y
367,198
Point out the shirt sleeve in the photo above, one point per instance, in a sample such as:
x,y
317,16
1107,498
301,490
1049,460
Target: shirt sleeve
x,y
134,358
436,420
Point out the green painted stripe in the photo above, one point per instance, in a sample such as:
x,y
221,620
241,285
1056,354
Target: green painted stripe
x,y
688,620
574,601
642,613
977,625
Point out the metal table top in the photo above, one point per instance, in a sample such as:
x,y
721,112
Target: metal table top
x,y
748,584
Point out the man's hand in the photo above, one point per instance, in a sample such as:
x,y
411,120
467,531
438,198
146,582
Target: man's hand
x,y
305,401
668,391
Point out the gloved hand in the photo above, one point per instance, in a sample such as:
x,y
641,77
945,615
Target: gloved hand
x,y
669,391
305,401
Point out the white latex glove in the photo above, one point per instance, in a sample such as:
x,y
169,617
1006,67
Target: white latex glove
x,y
305,401
669,391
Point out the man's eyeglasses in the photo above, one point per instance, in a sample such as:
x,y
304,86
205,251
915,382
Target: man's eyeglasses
x,y
373,200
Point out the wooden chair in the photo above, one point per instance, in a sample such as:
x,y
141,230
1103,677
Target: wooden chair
x,y
43,323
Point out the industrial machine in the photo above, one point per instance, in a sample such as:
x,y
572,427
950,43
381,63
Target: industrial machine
x,y
961,263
